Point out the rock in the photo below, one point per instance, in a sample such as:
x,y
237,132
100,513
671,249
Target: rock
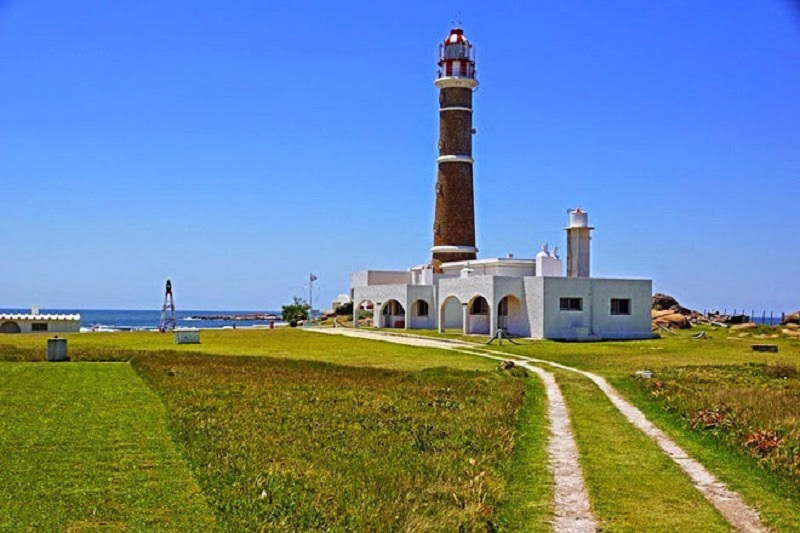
x,y
645,374
661,302
658,314
673,320
791,332
793,318
745,326
507,365
773,348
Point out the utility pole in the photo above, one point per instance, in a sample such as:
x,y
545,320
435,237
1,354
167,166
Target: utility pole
x,y
311,279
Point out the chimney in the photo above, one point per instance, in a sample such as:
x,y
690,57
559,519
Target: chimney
x,y
579,236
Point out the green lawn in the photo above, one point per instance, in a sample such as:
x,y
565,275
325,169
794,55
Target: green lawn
x,y
528,502
280,342
302,445
85,447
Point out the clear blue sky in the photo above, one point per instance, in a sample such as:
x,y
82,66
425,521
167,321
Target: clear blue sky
x,y
237,146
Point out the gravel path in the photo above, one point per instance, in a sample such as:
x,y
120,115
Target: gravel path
x,y
729,503
572,509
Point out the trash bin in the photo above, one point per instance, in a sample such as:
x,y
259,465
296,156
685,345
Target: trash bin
x,y
57,349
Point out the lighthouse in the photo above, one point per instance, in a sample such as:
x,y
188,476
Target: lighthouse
x,y
454,218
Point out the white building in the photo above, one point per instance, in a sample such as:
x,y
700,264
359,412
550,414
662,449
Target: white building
x,y
523,297
35,322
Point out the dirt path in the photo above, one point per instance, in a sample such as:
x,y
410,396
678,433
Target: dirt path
x,y
729,503
572,509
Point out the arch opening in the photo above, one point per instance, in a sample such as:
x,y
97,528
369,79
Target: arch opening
x,y
450,314
511,317
364,313
480,316
10,327
421,315
393,315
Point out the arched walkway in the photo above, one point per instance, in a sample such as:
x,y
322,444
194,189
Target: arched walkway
x,y
393,315
365,310
10,327
480,316
450,314
511,317
421,314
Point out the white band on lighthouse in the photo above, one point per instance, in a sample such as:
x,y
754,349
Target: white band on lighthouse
x,y
454,159
456,108
452,81
454,249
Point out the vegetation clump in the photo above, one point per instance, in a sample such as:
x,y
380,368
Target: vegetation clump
x,y
753,407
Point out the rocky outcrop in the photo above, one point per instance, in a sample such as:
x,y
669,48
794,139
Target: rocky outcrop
x,y
670,319
662,302
793,318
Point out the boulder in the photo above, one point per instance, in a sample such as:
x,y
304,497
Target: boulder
x,y
661,302
658,314
745,326
793,318
674,320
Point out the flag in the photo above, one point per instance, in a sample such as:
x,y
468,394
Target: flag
x,y
312,277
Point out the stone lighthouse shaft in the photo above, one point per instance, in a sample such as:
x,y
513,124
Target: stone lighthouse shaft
x,y
454,218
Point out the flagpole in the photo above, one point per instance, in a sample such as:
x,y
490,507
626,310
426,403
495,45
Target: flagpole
x,y
311,298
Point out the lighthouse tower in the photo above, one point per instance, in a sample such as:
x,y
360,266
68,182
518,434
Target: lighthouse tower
x,y
454,220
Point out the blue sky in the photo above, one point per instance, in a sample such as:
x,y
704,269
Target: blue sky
x,y
237,146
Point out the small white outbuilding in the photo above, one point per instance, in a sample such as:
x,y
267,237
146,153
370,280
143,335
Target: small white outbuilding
x,y
35,322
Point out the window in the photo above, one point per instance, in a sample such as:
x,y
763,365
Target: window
x,y
479,306
39,326
422,308
572,304
620,306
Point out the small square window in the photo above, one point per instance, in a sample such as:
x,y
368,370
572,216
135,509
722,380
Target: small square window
x,y
620,306
572,304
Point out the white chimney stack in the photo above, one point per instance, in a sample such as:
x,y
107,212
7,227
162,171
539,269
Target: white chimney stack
x,y
579,236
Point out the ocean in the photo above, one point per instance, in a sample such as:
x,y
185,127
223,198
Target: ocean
x,y
130,320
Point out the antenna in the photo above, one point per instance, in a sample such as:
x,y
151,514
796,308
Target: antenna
x,y
456,22
168,321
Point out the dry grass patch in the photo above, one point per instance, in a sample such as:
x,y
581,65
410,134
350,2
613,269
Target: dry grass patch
x,y
755,407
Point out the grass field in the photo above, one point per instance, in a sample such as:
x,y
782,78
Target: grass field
x,y
84,447
256,430
301,445
283,429
280,342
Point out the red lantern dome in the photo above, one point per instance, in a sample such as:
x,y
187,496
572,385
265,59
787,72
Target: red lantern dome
x,y
457,58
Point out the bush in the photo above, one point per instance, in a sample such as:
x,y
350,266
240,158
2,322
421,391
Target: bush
x,y
297,310
344,309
